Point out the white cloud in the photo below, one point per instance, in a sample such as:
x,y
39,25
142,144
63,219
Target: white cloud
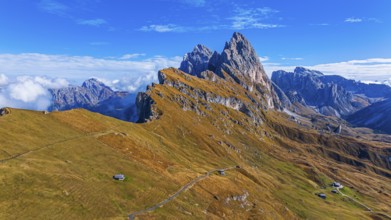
x,y
51,83
132,56
29,92
252,18
26,91
93,22
359,20
353,20
99,43
364,70
80,68
66,11
291,58
196,3
53,7
387,82
162,28
320,24
3,79
263,59
376,20
179,29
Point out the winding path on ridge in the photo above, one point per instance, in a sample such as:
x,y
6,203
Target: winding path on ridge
x,y
363,205
92,134
177,193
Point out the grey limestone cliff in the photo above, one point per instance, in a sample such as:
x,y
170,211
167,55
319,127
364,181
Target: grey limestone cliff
x,y
239,54
196,61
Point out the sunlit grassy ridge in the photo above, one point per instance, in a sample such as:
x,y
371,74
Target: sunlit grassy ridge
x,y
67,159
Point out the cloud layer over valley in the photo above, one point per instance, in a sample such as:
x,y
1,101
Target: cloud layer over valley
x,y
28,92
25,78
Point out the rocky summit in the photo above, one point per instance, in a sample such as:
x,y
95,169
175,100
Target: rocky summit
x,y
90,93
239,54
239,60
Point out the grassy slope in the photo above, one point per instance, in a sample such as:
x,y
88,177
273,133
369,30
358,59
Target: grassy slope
x,y
73,155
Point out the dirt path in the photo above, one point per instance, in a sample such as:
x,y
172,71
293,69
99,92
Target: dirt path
x,y
177,193
363,205
93,134
354,200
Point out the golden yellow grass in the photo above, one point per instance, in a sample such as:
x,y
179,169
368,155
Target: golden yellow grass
x,y
67,160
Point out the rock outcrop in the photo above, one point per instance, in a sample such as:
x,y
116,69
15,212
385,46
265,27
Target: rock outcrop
x,y
5,111
145,109
284,100
196,61
239,54
97,97
338,130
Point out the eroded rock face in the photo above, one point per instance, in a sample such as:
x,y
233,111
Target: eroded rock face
x,y
239,54
145,109
204,98
196,61
197,99
285,101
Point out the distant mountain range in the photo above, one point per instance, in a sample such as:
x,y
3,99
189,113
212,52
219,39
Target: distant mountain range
x,y
376,116
331,95
97,97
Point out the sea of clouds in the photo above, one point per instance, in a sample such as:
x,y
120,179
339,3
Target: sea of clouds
x,y
26,78
28,92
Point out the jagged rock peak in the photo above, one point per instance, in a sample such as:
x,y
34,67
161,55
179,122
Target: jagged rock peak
x,y
238,60
302,70
90,93
202,49
239,54
196,61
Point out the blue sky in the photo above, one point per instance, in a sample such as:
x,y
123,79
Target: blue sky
x,y
316,31
125,42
